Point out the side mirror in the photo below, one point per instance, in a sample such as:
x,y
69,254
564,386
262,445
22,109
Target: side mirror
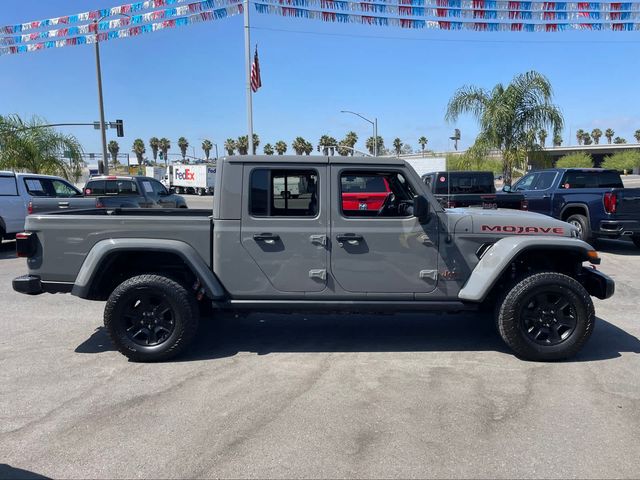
x,y
420,207
507,189
172,191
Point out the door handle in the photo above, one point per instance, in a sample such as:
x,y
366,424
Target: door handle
x,y
268,238
546,196
350,238
426,240
63,204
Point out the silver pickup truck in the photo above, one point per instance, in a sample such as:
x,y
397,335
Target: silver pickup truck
x,y
279,238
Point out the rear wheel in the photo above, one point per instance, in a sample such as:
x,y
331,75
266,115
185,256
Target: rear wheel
x,y
151,318
582,224
547,316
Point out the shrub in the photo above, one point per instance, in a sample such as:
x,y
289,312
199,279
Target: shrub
x,y
623,161
575,160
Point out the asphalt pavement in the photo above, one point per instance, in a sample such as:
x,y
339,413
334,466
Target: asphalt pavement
x,y
289,396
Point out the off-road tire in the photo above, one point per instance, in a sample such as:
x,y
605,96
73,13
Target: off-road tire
x,y
584,228
636,240
184,313
512,327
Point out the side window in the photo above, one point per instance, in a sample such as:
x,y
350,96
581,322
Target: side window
x,y
38,187
158,188
526,182
545,180
375,194
8,186
283,193
96,187
577,179
63,189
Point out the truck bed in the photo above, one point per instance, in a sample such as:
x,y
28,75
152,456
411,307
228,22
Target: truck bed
x,y
69,235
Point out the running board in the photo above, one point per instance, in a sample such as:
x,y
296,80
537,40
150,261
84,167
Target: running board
x,y
320,305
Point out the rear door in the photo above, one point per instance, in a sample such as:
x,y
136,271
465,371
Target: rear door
x,y
48,194
389,253
284,225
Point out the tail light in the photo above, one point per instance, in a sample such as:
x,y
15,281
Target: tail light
x,y
610,202
30,208
26,244
524,205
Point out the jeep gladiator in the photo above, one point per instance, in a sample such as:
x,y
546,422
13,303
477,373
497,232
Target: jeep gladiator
x,y
259,250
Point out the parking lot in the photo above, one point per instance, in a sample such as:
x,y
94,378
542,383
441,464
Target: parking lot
x,y
274,396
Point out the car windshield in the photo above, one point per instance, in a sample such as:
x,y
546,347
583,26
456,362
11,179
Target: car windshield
x,y
463,182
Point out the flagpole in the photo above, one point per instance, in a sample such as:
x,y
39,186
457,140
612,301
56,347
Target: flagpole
x,y
247,55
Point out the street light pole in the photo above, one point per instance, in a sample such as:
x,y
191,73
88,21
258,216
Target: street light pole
x,y
374,124
103,132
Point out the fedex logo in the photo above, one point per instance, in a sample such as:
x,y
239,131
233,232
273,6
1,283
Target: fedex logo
x,y
186,175
519,229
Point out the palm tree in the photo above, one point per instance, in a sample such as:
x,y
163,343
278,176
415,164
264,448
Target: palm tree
x,y
242,144
370,143
298,145
114,149
183,144
281,147
596,133
138,149
206,148
619,140
586,139
308,148
327,145
350,140
506,115
579,136
256,142
542,135
557,140
268,149
164,144
154,143
230,146
609,133
636,135
397,146
31,146
423,143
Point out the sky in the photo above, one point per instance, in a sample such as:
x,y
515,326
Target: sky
x,y
190,81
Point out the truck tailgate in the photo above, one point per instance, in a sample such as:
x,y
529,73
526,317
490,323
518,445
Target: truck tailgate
x,y
628,203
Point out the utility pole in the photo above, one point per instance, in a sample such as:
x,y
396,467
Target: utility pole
x,y
103,127
247,58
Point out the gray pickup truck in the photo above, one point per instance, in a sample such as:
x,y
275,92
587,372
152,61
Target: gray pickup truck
x,y
263,248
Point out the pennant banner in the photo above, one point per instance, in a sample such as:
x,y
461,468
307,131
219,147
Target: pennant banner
x,y
127,32
413,23
70,31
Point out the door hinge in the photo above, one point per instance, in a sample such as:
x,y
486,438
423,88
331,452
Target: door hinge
x,y
319,273
426,240
429,275
318,240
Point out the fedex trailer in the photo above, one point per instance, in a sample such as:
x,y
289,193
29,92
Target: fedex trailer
x,y
155,172
199,179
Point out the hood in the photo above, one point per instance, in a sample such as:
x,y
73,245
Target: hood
x,y
505,222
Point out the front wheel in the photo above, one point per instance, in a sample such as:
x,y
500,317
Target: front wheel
x,y
545,317
151,318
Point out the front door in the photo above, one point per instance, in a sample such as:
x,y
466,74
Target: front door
x,y
387,250
284,227
539,193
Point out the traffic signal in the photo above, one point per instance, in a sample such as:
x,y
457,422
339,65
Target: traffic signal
x,y
119,128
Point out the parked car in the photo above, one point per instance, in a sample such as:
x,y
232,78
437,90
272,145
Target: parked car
x,y
137,191
470,189
261,250
24,193
594,200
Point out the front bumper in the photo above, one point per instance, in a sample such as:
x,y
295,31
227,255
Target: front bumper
x,y
597,283
32,285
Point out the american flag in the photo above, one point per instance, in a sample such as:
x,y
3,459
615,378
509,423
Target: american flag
x,y
256,81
